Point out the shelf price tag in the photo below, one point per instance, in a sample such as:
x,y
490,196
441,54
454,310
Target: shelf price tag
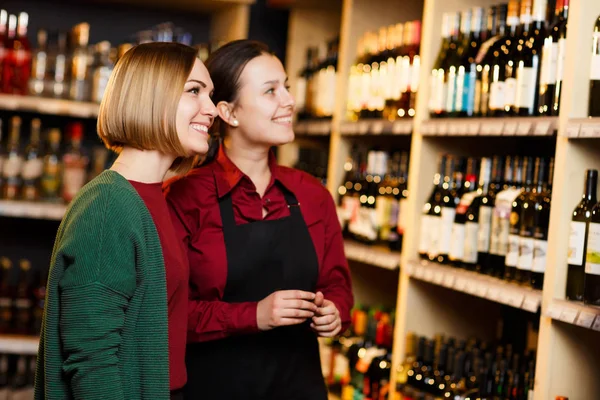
x,y
596,324
449,280
587,131
377,127
585,319
568,315
438,278
524,128
531,303
510,128
554,311
460,284
542,128
493,293
573,129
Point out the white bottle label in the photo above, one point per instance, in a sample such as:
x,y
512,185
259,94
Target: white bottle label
x,y
512,256
415,74
497,94
382,216
485,225
367,223
576,243
471,240
525,254
549,62
451,90
595,68
446,229
433,83
526,80
424,234
460,90
32,169
441,92
560,59
435,223
406,74
402,215
540,249
12,166
592,261
501,221
510,92
457,245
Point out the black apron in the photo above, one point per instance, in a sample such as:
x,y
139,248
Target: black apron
x,y
283,363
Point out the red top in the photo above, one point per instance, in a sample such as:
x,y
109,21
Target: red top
x,y
193,201
176,267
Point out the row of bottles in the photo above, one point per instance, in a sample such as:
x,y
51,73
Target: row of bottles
x,y
17,376
43,170
313,161
316,84
447,368
384,80
373,197
503,61
583,278
490,215
357,364
22,296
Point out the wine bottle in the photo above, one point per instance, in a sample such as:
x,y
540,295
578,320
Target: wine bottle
x,y
496,30
592,262
528,223
472,226
437,97
457,242
398,211
560,61
594,102
501,217
549,69
301,81
359,185
578,235
429,212
442,205
467,70
528,63
540,232
348,196
454,58
450,196
514,46
486,210
384,197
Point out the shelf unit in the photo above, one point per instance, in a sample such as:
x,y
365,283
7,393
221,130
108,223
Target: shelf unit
x,y
433,298
16,344
377,256
32,210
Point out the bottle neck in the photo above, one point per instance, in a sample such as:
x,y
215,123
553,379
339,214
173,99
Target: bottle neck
x,y
591,184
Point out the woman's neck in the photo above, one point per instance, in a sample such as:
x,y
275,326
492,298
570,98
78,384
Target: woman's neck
x,y
146,166
253,161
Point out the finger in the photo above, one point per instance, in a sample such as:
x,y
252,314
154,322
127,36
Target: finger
x,y
319,299
325,320
297,294
326,328
300,305
333,333
330,309
295,313
290,321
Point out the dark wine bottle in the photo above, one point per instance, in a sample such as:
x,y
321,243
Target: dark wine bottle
x,y
427,220
450,198
457,243
454,60
472,225
467,70
490,36
560,63
578,235
486,211
549,69
540,232
437,98
594,108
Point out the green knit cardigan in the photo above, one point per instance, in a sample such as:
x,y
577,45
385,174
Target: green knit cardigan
x,y
105,330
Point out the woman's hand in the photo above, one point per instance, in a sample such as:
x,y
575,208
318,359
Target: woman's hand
x,y
285,307
327,321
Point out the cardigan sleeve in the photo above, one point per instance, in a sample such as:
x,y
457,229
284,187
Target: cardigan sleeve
x,y
334,278
98,253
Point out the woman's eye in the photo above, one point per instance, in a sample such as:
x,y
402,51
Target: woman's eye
x,y
288,87
270,91
194,90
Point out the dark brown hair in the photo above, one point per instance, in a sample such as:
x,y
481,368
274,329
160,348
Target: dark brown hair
x,y
225,67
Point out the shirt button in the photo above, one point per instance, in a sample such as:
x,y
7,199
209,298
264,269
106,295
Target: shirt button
x,y
267,200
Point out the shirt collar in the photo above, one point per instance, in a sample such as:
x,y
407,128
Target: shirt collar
x,y
228,175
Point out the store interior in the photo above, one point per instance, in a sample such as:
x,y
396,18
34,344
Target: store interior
x,y
458,138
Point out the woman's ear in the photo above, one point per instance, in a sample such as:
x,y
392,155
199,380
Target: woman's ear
x,y
226,113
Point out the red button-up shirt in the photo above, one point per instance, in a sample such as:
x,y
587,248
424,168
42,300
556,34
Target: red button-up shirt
x,y
194,204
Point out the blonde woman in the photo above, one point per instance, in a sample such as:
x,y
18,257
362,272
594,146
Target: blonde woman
x,y
116,309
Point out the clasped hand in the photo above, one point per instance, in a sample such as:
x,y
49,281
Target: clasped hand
x,y
293,307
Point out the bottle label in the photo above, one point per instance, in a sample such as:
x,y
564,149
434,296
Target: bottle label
x,y
394,212
424,234
595,68
382,216
526,80
540,249
512,255
497,95
433,83
406,74
470,91
402,215
549,62
560,59
415,74
73,180
480,97
485,226
471,240
435,224
447,221
576,243
330,91
465,202
12,166
592,259
457,245
525,253
462,86
451,90
441,92
501,221
350,206
510,92
367,223
32,169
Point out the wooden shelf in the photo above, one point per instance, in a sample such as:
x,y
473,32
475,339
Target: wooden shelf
x,y
583,128
517,126
49,106
377,127
32,210
377,256
574,313
15,344
486,287
313,128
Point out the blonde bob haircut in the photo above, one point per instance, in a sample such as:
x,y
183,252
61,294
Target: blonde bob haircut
x,y
140,103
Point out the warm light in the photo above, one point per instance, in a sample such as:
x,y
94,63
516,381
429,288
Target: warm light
x,y
363,198
362,352
381,190
396,191
401,113
376,179
371,200
342,190
357,187
411,112
348,166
